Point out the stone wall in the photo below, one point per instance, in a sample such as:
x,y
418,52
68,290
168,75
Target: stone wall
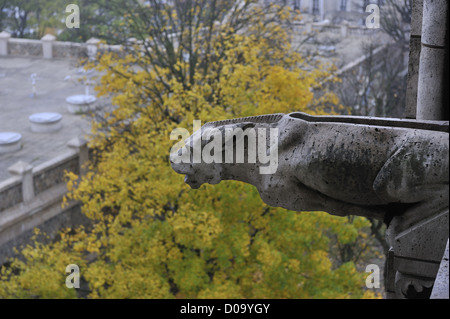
x,y
49,48
10,193
69,217
53,172
33,198
416,250
25,47
69,50
341,30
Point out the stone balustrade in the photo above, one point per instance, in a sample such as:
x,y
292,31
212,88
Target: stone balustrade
x,y
49,48
32,197
341,30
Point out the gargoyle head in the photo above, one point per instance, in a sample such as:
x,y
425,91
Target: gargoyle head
x,y
202,158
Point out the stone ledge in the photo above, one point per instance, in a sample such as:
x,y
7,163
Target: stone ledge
x,y
19,214
10,183
440,288
57,161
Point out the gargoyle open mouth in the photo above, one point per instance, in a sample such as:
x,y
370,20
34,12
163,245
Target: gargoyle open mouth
x,y
192,182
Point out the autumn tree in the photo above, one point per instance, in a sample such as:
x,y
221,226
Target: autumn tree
x,y
396,21
153,237
98,19
32,19
376,87
2,13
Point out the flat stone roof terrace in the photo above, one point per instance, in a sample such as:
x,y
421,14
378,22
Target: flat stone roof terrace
x,y
56,80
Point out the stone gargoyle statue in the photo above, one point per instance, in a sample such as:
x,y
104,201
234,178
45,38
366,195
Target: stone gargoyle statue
x,y
342,165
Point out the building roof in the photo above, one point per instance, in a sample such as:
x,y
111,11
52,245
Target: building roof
x,y
55,80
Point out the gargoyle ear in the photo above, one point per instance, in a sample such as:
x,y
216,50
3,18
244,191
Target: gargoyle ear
x,y
246,125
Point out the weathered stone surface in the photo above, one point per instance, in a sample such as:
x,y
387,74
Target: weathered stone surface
x,y
47,45
395,170
341,165
69,50
24,170
4,38
10,193
416,17
432,98
413,77
435,14
53,175
419,241
431,84
25,47
45,212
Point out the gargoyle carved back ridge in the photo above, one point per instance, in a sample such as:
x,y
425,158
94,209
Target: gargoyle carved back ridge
x,y
267,118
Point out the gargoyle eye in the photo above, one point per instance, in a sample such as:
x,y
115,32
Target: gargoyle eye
x,y
248,125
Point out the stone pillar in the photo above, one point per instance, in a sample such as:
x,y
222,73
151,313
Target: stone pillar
x,y
344,29
417,253
414,57
80,145
322,10
308,27
131,41
4,38
47,45
433,76
92,47
417,246
25,171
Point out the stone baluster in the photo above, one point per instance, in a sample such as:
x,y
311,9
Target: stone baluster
x,y
25,171
344,29
4,38
440,287
432,93
308,27
92,47
414,57
80,145
47,46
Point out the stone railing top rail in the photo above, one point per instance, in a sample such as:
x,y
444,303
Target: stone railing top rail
x,y
68,155
52,48
344,165
441,126
9,183
18,170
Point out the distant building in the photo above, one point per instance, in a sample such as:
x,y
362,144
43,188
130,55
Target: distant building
x,y
349,10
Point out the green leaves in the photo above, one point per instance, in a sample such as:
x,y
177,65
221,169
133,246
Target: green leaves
x,y
154,237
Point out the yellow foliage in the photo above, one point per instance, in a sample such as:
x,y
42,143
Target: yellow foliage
x,y
153,237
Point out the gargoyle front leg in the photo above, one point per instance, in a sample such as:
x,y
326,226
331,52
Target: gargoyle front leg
x,y
294,195
418,171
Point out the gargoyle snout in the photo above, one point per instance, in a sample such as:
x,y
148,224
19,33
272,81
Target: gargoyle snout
x,y
179,164
185,169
